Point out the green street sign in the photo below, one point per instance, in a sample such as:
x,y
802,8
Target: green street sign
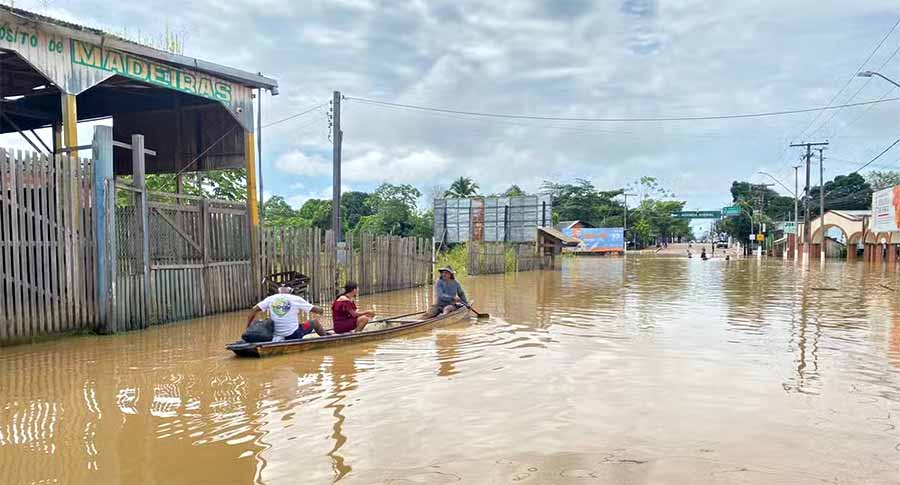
x,y
697,215
731,211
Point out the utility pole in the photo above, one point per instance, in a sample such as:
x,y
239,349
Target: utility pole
x,y
796,211
625,228
806,231
336,139
822,203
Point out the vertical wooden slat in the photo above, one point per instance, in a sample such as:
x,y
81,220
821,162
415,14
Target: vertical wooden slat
x,y
6,207
18,270
39,192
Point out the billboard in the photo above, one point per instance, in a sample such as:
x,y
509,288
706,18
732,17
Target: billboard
x,y
598,239
885,210
491,219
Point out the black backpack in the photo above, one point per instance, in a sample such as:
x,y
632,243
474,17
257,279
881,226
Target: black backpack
x,y
259,331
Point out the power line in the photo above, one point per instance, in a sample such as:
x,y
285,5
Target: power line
x,y
619,120
852,76
892,145
573,128
295,115
881,67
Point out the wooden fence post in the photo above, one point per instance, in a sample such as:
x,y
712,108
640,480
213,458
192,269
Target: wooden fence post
x,y
142,220
205,273
105,229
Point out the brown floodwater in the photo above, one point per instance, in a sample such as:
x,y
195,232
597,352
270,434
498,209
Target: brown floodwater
x,y
650,370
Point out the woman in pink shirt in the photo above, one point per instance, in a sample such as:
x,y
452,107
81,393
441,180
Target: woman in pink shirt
x,y
344,313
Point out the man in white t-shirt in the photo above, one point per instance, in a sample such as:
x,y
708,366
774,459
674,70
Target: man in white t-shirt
x,y
284,310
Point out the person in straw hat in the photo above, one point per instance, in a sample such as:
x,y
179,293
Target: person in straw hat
x,y
448,293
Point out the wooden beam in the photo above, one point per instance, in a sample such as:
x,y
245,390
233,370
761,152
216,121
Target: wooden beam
x,y
252,209
181,233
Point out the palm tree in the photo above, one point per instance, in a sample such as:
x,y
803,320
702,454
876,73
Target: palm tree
x,y
462,188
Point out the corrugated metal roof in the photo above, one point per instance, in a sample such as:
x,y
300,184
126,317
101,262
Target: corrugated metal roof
x,y
554,233
114,41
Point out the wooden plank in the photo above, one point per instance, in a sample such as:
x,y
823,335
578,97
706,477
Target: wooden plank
x,y
29,244
21,310
67,222
178,230
9,309
43,253
74,205
173,207
55,246
91,268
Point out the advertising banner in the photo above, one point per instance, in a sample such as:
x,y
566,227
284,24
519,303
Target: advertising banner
x,y
598,239
885,209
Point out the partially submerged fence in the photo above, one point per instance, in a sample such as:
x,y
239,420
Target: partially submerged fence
x,y
376,263
199,258
494,258
46,245
67,229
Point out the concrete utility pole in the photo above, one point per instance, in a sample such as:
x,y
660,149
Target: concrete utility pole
x,y
625,228
796,211
822,203
806,231
336,139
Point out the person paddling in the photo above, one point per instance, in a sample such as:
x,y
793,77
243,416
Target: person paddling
x,y
448,294
344,313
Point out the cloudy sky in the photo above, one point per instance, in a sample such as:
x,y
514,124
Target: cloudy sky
x,y
559,58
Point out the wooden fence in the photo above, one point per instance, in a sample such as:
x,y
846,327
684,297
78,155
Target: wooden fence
x,y
46,245
494,258
173,256
376,263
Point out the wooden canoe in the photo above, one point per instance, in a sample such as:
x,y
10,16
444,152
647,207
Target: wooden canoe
x,y
392,328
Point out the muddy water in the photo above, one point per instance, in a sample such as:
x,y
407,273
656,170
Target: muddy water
x,y
609,371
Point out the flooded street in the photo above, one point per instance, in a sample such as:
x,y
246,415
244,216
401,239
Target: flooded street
x,y
650,370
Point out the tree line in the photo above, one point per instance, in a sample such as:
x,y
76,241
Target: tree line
x,y
392,208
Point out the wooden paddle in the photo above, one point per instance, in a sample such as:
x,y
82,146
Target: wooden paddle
x,y
386,319
478,315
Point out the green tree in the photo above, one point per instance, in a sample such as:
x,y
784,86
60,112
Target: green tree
x,y
581,201
882,179
394,211
278,213
513,191
845,192
354,206
462,188
317,212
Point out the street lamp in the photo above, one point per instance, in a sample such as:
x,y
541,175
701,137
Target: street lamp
x,y
796,203
882,76
761,172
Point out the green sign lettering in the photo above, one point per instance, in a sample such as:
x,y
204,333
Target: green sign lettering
x,y
110,60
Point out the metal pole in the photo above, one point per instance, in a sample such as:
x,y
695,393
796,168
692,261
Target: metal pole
x,y
796,210
262,205
336,135
625,227
822,202
806,228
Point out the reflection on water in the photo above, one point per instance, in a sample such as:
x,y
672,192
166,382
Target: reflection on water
x,y
646,370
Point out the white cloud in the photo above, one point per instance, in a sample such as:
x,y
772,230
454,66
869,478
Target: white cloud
x,y
397,165
574,58
298,163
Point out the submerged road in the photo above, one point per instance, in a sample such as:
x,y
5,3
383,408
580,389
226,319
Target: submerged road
x,y
645,370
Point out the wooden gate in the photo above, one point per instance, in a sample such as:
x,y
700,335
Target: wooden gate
x,y
46,245
199,259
